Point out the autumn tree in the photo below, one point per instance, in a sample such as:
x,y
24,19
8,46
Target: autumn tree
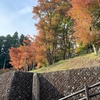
x,y
45,11
27,55
82,12
6,42
82,21
15,57
94,11
53,27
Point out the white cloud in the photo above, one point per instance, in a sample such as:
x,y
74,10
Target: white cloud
x,y
25,10
17,22
17,18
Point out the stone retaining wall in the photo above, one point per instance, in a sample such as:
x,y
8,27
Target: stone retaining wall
x,y
5,84
54,85
21,87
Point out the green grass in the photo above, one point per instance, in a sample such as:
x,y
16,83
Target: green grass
x,y
83,61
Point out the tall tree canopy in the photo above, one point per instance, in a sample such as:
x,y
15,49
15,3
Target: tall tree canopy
x,y
86,15
62,24
53,27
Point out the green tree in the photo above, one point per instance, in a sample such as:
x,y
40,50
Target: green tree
x,y
6,42
21,38
15,39
2,39
5,53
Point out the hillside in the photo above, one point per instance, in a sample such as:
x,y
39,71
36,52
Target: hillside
x,y
88,60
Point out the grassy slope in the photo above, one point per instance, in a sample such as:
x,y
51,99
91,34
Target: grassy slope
x,y
89,60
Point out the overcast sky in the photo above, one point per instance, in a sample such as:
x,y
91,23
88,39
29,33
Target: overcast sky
x,y
16,15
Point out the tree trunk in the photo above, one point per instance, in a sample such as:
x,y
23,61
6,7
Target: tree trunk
x,y
4,64
49,57
95,49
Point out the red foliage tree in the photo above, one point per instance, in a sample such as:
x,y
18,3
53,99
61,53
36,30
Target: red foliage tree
x,y
23,56
82,21
16,57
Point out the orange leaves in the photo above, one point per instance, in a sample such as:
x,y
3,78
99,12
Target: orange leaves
x,y
56,0
38,65
15,56
25,53
81,12
81,3
83,20
40,51
25,41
